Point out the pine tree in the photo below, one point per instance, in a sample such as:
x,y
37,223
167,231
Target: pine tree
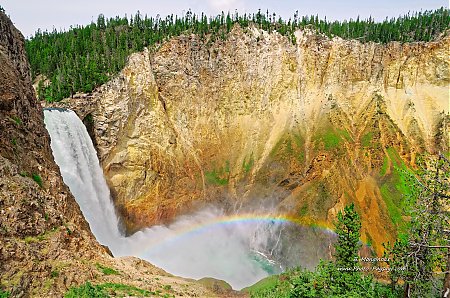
x,y
348,230
425,252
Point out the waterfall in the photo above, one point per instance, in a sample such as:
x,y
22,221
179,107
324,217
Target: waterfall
x,y
76,157
240,249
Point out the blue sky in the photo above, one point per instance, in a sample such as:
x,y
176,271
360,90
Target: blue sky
x,y
28,16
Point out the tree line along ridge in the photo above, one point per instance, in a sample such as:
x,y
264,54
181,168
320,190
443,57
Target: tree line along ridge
x,y
85,57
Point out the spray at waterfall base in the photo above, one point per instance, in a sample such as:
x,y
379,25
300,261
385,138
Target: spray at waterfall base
x,y
240,248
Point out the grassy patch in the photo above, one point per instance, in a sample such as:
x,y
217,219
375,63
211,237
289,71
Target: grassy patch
x,y
301,157
30,239
394,156
447,154
37,179
4,294
106,270
247,166
120,289
389,199
48,284
384,166
89,119
262,285
325,281
213,177
303,211
17,120
290,145
277,148
402,183
367,139
219,176
344,134
88,290
42,237
332,139
299,141
396,187
216,285
401,173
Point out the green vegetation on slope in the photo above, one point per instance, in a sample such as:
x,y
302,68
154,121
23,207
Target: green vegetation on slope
x,y
384,167
330,279
106,290
332,138
247,166
37,178
269,282
219,176
325,281
4,294
367,139
215,285
84,291
413,261
85,57
396,188
288,146
423,247
106,270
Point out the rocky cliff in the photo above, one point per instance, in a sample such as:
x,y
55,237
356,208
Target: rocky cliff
x,y
46,246
37,210
308,127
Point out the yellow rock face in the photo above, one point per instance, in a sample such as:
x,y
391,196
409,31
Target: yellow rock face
x,y
310,126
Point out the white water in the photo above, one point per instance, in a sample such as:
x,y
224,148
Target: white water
x,y
77,160
238,253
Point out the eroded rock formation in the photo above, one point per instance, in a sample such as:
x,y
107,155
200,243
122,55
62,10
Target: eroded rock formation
x,y
309,126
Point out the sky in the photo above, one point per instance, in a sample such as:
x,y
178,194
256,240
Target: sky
x,y
28,16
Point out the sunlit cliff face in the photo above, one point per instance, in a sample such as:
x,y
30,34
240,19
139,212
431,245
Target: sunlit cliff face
x,y
312,126
240,248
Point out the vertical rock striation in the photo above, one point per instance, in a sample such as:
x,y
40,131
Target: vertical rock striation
x,y
308,127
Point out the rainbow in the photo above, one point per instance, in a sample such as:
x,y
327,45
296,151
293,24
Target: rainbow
x,y
256,218
207,224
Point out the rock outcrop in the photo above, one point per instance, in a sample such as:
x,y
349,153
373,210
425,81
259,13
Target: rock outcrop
x,y
310,126
46,246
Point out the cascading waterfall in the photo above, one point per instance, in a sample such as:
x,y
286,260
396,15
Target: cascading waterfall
x,y
240,249
77,160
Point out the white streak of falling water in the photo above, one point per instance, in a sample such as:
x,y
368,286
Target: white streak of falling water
x,y
235,253
77,160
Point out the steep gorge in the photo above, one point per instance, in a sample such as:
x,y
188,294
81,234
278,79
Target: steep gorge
x,y
255,119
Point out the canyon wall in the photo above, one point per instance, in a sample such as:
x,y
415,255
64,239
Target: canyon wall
x,y
46,246
255,119
42,229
